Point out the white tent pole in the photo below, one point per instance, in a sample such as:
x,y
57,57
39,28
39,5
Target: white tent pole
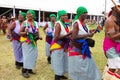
x,y
39,17
105,7
98,19
14,11
90,17
71,17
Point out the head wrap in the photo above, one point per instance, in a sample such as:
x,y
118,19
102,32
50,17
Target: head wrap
x,y
32,12
52,15
81,10
23,14
60,13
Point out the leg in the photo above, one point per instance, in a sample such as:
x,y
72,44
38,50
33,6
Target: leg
x,y
49,59
57,77
117,73
17,65
25,73
4,31
48,52
109,75
31,71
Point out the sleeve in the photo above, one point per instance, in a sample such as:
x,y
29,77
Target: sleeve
x,y
36,24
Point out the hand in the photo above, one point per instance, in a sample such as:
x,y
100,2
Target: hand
x,y
26,30
40,38
69,33
10,38
93,31
91,34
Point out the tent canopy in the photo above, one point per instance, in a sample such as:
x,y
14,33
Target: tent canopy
x,y
94,6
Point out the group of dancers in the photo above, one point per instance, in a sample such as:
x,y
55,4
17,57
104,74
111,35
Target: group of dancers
x,y
67,50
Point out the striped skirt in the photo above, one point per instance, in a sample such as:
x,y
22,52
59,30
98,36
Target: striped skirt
x,y
30,54
83,69
17,48
59,62
47,49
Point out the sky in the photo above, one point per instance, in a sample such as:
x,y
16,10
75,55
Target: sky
x,y
93,6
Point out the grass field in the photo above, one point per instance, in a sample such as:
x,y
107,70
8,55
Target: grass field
x,y
43,69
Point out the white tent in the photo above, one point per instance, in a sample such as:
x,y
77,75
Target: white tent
x,y
95,7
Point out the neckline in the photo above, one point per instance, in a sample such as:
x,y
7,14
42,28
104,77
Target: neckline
x,y
83,25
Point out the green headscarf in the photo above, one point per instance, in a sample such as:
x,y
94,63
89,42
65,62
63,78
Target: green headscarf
x,y
81,10
32,12
60,13
52,15
23,14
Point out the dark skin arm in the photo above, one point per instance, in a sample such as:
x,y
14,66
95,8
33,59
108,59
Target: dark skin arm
x,y
57,33
10,29
75,33
45,27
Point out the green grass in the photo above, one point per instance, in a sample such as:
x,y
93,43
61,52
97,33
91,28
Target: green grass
x,y
43,69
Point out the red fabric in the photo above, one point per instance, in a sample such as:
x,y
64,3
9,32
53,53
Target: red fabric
x,y
31,24
46,24
67,30
117,75
111,73
67,20
100,28
74,53
110,13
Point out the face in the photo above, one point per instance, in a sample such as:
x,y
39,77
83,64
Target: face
x,y
20,17
84,16
53,19
64,17
29,16
4,17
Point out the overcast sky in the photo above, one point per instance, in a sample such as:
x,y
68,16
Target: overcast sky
x,y
93,6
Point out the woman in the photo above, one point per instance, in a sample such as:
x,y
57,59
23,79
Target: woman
x,y
59,46
13,35
4,24
29,35
48,30
81,64
111,44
